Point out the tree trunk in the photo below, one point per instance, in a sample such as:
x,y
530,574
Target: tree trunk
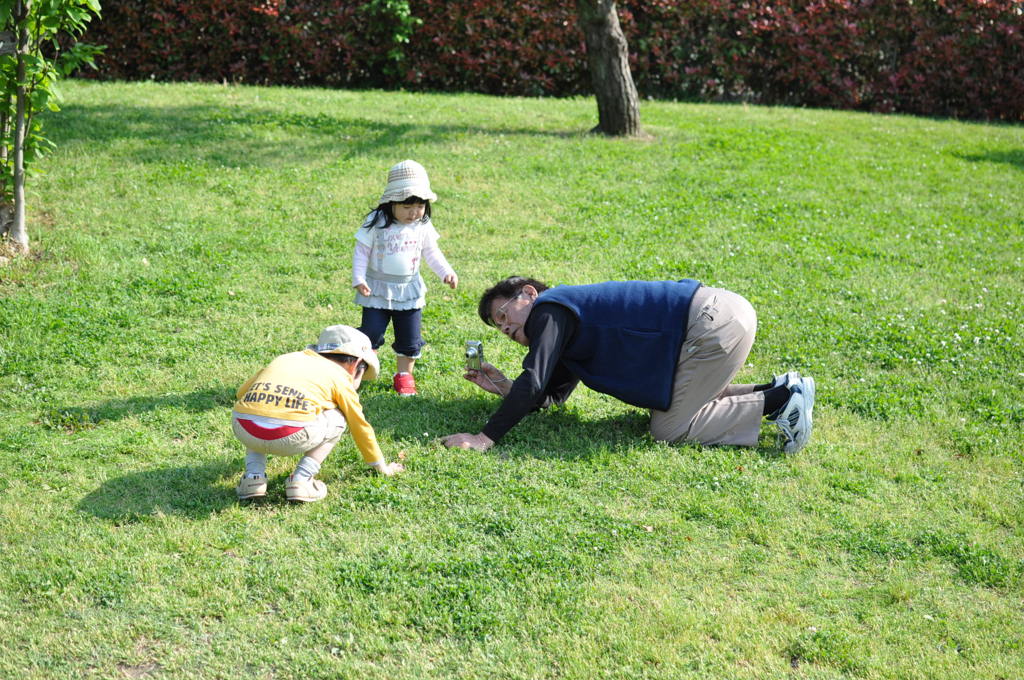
x,y
608,58
6,206
18,233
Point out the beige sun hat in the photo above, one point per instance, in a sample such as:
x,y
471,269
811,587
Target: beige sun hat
x,y
351,341
406,179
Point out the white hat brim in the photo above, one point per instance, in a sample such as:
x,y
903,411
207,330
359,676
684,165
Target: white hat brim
x,y
399,194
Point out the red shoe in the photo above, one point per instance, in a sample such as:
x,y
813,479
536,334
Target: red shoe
x,y
405,385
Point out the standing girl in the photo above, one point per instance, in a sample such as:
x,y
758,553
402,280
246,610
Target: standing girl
x,y
386,266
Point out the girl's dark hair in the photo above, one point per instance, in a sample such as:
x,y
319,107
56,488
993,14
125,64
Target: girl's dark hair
x,y
506,289
383,216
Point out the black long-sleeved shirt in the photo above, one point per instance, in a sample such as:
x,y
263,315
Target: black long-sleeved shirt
x,y
545,380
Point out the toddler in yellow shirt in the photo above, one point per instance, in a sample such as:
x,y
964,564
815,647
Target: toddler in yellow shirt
x,y
299,405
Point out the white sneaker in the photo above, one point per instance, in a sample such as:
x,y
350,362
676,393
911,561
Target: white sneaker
x,y
807,388
786,379
251,487
304,490
795,420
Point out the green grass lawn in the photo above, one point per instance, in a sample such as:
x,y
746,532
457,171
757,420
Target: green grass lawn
x,y
186,234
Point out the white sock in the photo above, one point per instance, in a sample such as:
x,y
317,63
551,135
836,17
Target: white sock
x,y
255,464
306,469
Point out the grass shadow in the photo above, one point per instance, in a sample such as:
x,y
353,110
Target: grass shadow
x,y
1010,157
249,137
76,418
558,433
542,434
192,492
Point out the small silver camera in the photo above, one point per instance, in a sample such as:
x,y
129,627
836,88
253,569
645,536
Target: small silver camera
x,y
474,355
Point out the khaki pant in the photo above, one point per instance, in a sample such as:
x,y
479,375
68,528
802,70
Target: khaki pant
x,y
315,440
705,408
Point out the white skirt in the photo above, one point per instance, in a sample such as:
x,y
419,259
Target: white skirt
x,y
393,292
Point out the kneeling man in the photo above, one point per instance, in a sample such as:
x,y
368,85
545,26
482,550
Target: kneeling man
x,y
669,346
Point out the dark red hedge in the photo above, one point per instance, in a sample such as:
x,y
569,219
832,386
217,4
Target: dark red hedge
x,y
962,58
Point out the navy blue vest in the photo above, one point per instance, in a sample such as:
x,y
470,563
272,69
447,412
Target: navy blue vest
x,y
629,336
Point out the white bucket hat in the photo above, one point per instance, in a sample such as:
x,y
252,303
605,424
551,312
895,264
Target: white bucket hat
x,y
351,341
406,179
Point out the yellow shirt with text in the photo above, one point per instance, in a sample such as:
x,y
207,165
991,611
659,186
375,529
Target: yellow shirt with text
x,y
298,387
